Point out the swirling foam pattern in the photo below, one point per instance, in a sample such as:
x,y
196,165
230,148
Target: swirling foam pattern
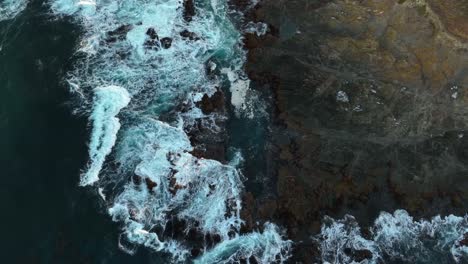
x,y
136,72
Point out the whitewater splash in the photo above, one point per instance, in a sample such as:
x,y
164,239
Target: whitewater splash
x,y
11,8
149,60
397,238
108,101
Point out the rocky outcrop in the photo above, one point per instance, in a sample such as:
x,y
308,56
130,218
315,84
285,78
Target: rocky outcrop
x,y
374,98
208,135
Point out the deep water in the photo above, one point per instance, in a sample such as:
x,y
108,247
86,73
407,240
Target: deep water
x,y
45,217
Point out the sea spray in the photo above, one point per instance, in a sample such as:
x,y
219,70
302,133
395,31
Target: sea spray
x,y
158,54
395,237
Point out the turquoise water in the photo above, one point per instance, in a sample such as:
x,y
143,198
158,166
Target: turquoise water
x,y
122,86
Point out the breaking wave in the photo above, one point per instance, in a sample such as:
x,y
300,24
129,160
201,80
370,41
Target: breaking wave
x,y
143,66
395,238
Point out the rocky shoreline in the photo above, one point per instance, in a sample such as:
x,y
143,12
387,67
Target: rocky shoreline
x,y
371,101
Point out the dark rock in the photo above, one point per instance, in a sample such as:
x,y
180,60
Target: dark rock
x,y
151,44
189,10
358,255
151,32
119,33
253,260
251,41
173,186
136,179
247,211
197,152
166,42
239,4
348,251
150,184
213,238
195,252
464,242
215,103
361,255
189,35
210,151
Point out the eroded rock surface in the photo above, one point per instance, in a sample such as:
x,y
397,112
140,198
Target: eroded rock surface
x,y
374,98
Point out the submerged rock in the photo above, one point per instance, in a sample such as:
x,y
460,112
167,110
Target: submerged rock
x,y
166,42
151,32
119,33
189,35
358,255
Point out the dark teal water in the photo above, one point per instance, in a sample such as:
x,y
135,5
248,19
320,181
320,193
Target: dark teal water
x,y
45,216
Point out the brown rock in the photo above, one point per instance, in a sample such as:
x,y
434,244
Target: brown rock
x,y
150,184
358,255
251,41
189,10
452,13
215,103
119,33
464,242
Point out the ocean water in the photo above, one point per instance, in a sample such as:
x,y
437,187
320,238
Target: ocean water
x,y
101,94
46,218
131,67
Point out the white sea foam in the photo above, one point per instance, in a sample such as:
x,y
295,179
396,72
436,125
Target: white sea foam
x,y
10,8
266,247
245,100
397,237
166,181
258,28
108,101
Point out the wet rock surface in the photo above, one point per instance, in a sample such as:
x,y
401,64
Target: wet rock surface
x,y
166,42
189,10
372,103
358,255
208,135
